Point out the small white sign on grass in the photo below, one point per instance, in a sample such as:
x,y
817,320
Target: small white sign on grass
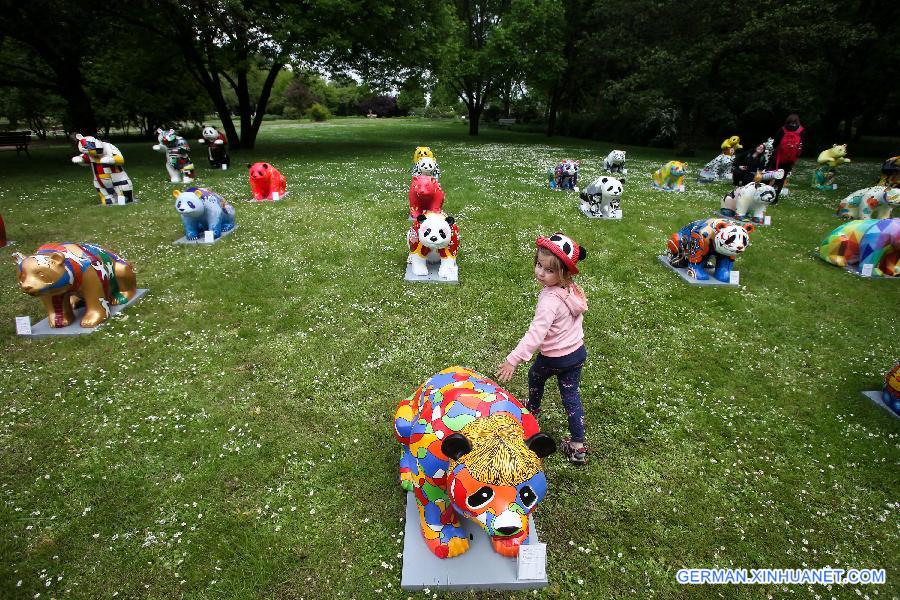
x,y
209,236
867,270
532,561
734,277
23,325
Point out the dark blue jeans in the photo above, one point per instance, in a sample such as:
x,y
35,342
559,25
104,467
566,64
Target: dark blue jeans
x,y
568,376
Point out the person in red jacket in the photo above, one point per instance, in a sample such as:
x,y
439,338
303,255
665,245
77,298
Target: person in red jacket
x,y
788,143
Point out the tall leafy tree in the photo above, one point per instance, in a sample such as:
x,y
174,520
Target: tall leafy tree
x,y
476,54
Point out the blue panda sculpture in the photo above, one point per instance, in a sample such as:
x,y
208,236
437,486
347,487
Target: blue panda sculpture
x,y
203,210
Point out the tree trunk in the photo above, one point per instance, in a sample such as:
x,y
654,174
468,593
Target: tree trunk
x,y
553,109
80,115
474,118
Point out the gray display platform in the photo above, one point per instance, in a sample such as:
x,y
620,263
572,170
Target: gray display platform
x,y
432,276
134,201
202,241
876,398
43,329
480,568
614,216
8,243
713,282
719,215
255,201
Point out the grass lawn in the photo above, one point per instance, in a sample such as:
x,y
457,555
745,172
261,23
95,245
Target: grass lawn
x,y
230,436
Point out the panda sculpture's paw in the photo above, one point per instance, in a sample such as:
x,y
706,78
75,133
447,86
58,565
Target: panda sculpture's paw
x,y
448,271
456,542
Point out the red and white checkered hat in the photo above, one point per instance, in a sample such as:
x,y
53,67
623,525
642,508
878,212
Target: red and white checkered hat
x,y
564,248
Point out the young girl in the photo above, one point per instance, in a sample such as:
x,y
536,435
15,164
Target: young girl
x,y
556,331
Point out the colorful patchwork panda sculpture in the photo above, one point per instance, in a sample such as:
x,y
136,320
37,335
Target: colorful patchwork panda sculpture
x,y
696,244
859,243
108,165
670,178
265,181
178,160
869,203
890,393
434,237
564,176
65,275
748,202
217,147
203,210
601,197
615,163
470,449
425,194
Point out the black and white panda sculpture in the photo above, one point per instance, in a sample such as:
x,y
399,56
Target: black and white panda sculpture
x,y
615,163
601,198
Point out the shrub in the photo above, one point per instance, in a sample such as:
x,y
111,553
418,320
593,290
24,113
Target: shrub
x,y
318,113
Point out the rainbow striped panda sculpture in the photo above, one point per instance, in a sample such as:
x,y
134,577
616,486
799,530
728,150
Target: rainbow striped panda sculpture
x,y
696,244
470,449
108,165
178,160
865,244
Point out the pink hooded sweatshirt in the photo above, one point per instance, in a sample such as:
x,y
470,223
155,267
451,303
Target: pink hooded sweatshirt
x,y
556,328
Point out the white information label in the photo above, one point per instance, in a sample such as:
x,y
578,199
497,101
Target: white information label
x,y
533,561
224,167
209,237
767,220
867,270
734,277
275,196
121,200
23,325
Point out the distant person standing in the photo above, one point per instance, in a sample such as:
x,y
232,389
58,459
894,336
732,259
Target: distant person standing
x,y
788,142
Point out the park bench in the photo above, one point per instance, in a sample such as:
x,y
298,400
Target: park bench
x,y
15,139
506,122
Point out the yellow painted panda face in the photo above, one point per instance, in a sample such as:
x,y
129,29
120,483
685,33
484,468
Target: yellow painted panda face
x,y
422,152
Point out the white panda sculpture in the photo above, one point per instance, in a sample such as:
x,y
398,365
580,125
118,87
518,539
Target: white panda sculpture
x,y
601,198
615,163
748,202
434,237
427,166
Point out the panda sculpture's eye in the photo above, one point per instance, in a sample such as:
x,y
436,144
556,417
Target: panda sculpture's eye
x,y
480,498
191,204
730,239
427,232
529,498
443,234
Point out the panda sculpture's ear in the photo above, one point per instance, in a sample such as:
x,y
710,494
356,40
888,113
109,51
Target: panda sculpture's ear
x,y
175,193
541,444
604,180
450,220
249,166
18,257
456,445
198,193
721,225
749,228
78,136
57,258
421,218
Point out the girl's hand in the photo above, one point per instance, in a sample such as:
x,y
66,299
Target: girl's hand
x,y
505,371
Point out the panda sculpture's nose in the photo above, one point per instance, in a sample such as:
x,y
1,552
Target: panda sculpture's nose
x,y
507,530
433,238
